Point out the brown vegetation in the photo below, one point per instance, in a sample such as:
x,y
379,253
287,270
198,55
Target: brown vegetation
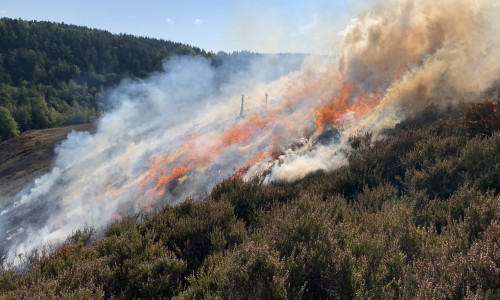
x,y
30,155
416,215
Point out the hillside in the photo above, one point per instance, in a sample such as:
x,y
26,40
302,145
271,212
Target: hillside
x,y
372,172
30,155
416,215
53,73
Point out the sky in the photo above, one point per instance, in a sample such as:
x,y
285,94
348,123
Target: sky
x,y
270,26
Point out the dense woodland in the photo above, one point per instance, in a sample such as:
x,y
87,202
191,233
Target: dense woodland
x,y
413,216
52,74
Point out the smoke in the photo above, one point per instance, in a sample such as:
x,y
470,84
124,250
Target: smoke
x,y
408,54
280,27
184,112
178,132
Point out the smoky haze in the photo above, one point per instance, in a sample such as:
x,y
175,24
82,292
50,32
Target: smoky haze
x,y
179,132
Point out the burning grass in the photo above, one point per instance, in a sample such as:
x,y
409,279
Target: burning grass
x,y
351,105
414,216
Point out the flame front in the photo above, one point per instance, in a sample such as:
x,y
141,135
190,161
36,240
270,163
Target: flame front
x,y
197,154
269,128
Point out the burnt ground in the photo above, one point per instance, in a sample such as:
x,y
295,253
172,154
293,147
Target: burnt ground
x,y
28,156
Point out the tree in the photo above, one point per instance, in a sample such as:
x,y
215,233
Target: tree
x,y
53,73
8,126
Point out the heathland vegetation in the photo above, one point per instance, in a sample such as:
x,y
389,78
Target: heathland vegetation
x,y
52,74
415,215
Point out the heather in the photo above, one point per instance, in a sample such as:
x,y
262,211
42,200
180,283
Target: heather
x,y
415,214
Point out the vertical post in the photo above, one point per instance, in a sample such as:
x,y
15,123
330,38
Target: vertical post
x,y
266,97
242,101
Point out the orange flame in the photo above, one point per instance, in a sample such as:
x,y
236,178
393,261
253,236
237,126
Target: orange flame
x,y
483,117
168,168
243,170
331,115
195,152
244,131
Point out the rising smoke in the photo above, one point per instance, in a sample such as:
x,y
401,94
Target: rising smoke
x,y
178,132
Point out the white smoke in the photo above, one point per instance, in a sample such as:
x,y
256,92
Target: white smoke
x,y
97,176
416,52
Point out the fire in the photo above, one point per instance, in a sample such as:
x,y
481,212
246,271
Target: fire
x,y
334,110
483,117
259,157
332,114
196,154
198,151
244,131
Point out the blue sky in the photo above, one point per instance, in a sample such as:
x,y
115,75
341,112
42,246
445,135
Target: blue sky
x,y
260,25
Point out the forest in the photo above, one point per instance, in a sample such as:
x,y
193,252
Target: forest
x,y
52,74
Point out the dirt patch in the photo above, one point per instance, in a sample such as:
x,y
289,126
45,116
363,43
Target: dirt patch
x,y
30,155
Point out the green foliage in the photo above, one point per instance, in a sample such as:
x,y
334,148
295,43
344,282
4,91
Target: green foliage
x,y
312,252
416,215
250,199
53,74
252,271
8,126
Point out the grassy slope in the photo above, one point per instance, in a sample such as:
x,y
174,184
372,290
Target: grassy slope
x,y
30,155
414,216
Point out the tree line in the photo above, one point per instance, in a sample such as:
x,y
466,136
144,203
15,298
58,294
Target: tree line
x,y
52,74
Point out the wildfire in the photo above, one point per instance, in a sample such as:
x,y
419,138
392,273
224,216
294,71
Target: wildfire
x,y
484,117
244,131
243,170
197,154
198,151
332,114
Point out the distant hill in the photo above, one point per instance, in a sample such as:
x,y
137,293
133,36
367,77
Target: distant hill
x,y
53,73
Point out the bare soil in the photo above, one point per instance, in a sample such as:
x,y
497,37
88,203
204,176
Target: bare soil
x,y
30,155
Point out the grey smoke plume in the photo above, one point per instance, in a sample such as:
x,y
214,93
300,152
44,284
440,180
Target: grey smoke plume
x,y
412,53
178,132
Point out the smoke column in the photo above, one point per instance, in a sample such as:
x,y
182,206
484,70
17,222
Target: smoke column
x,y
178,132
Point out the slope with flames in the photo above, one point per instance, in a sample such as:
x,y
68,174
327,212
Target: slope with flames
x,y
177,134
198,151
411,216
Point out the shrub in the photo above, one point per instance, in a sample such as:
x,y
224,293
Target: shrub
x,y
413,216
250,271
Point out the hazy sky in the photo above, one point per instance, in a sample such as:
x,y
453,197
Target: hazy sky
x,y
260,25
